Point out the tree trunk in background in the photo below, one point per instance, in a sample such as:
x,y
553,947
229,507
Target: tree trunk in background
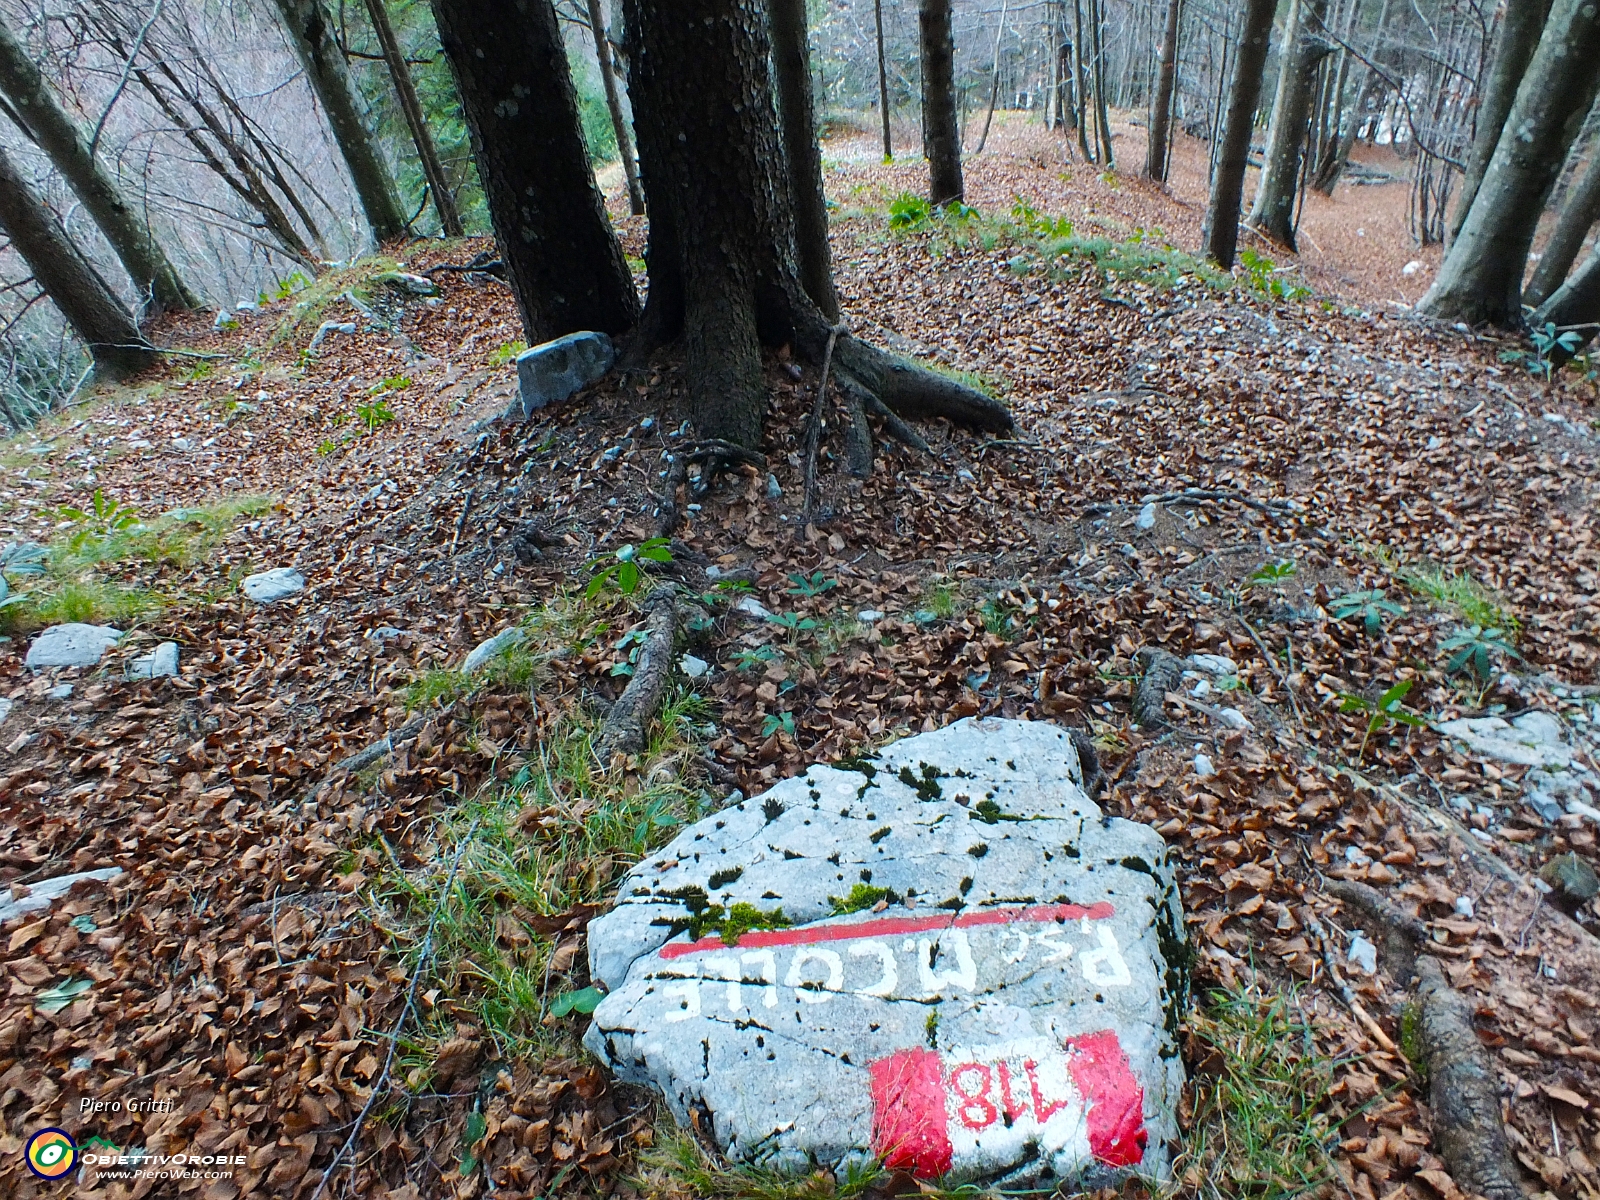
x,y
712,164
941,132
1581,210
619,119
1155,158
1576,302
1480,279
562,257
95,314
1519,38
1080,93
791,63
311,35
47,125
1273,211
994,79
444,200
883,83
1221,232
1102,115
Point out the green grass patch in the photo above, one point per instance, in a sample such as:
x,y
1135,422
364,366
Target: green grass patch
x,y
1461,595
312,302
71,579
1261,1088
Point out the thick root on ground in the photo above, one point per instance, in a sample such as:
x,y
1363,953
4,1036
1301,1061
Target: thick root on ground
x,y
1163,671
916,393
623,732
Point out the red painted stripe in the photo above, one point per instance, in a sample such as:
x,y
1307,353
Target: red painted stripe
x,y
1117,1134
894,926
909,1131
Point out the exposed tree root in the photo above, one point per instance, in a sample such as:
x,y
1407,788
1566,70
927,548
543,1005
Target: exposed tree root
x,y
1162,671
623,732
713,456
1463,1087
913,391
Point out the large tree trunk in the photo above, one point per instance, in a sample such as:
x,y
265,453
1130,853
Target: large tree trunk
x,y
1519,38
619,120
714,178
49,127
96,316
1576,303
941,130
1480,280
1273,211
1155,158
1581,210
791,62
1221,233
444,200
561,254
311,35
1102,113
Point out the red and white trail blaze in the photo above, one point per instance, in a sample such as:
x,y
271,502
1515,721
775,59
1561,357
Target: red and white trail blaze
x,y
978,1106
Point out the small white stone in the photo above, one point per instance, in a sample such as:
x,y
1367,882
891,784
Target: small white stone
x,y
71,645
694,667
751,607
5,708
1363,954
1147,517
264,587
1356,857
1233,718
1214,664
1203,767
868,615
386,633
1463,906
160,662
490,647
61,691
182,443
774,488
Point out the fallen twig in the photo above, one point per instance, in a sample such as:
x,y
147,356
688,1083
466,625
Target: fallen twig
x,y
393,1036
1276,670
814,429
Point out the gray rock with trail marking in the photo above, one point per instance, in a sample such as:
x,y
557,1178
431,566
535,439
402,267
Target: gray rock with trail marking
x,y
71,645
555,370
997,997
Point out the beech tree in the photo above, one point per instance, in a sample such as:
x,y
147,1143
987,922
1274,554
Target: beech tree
x,y
561,254
1273,211
1220,234
1519,38
1575,304
311,35
724,267
99,319
41,116
941,127
1159,144
1480,280
1581,210
619,120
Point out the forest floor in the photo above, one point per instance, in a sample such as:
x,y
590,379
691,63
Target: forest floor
x,y
287,940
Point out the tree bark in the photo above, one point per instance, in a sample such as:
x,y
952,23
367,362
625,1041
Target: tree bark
x,y
941,131
883,82
1519,38
1575,303
791,62
1155,158
1102,114
1221,233
48,126
311,34
444,200
619,120
561,254
994,79
1480,280
714,170
1581,210
1080,92
96,316
1273,211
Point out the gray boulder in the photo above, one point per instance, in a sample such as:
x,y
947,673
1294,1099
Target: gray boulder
x,y
265,587
71,645
160,662
945,957
555,370
1533,739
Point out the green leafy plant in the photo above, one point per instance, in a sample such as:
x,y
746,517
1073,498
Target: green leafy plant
x,y
908,212
793,622
477,1125
751,660
1261,274
374,414
1387,709
391,383
1462,595
53,1000
25,558
1548,341
1369,606
620,571
584,1000
776,723
1474,648
1271,574
634,638
326,447
815,585
501,355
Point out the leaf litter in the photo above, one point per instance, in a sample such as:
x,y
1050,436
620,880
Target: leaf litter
x,y
249,968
